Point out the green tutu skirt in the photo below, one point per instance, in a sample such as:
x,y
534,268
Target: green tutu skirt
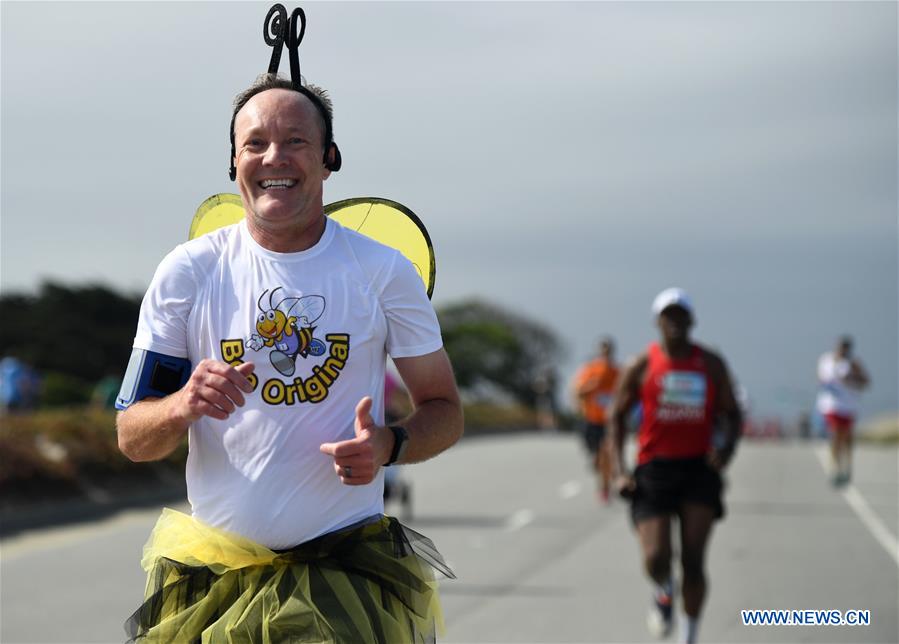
x,y
372,582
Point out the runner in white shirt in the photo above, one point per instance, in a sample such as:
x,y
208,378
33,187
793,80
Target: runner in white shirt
x,y
284,323
840,378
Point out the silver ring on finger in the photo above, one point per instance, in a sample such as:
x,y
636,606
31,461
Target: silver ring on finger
x,y
348,472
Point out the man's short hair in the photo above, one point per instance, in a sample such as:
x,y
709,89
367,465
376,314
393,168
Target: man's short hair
x,y
268,81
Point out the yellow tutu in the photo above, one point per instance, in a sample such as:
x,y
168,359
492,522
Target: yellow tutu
x,y
372,582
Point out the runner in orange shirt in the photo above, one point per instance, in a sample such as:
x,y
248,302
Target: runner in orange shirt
x,y
594,387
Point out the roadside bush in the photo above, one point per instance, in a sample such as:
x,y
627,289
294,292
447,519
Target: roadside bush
x,y
63,390
63,452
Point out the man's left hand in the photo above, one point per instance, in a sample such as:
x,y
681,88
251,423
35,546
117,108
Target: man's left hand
x,y
719,458
356,461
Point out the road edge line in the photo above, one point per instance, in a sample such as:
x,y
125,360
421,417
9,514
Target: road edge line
x,y
864,512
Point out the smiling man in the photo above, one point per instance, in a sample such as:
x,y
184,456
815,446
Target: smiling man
x,y
280,327
279,136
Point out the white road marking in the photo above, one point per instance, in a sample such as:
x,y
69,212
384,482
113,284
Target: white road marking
x,y
872,521
864,512
570,489
519,519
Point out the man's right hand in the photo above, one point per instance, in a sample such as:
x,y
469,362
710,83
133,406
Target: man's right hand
x,y
625,485
215,389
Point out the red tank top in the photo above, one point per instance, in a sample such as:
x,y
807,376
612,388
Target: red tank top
x,y
678,398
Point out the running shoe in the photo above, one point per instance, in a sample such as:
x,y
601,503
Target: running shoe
x,y
840,479
660,618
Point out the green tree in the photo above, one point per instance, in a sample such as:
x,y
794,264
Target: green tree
x,y
80,333
487,343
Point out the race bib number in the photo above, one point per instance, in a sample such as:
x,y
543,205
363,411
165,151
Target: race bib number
x,y
683,389
603,400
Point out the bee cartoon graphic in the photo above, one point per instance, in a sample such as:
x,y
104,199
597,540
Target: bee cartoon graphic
x,y
287,326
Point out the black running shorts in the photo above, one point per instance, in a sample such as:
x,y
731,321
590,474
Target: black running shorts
x,y
663,485
594,435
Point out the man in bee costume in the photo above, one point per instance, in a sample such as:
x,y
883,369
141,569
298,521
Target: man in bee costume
x,y
258,341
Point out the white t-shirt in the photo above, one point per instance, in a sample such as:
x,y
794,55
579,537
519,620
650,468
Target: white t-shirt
x,y
318,324
834,395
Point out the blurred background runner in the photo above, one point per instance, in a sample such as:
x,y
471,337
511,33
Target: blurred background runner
x,y
841,378
396,406
685,390
594,386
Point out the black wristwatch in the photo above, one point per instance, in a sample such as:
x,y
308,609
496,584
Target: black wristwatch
x,y
400,443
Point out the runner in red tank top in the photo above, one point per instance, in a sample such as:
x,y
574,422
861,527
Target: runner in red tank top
x,y
678,405
685,391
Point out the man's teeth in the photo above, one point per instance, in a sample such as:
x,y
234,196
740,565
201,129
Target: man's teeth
x,y
278,183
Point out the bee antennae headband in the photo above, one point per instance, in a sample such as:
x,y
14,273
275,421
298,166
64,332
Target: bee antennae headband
x,y
278,29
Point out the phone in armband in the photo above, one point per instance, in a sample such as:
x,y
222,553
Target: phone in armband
x,y
151,374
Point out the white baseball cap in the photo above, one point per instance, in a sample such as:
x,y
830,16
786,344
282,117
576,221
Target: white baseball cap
x,y
672,297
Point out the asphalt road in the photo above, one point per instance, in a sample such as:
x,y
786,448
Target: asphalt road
x,y
538,559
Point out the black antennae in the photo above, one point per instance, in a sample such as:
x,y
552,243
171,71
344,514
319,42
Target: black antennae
x,y
274,30
293,45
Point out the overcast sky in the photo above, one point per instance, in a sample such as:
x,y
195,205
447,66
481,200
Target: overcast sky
x,y
569,160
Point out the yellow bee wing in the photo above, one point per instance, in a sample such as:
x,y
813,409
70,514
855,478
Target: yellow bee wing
x,y
388,222
216,212
393,225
